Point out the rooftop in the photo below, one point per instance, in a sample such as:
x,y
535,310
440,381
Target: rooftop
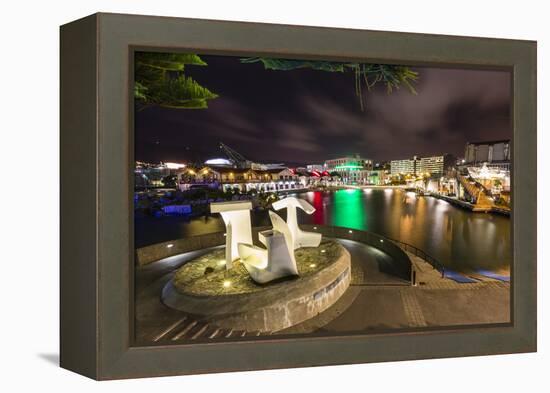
x,y
493,142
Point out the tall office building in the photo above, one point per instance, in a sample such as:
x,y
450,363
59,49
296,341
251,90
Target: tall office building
x,y
434,165
405,167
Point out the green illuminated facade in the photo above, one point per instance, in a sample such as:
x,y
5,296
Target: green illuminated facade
x,y
352,169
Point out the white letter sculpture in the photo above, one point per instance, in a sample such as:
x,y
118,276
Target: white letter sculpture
x,y
300,238
277,259
236,216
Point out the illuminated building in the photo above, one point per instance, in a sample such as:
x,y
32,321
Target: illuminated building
x,y
494,179
377,177
219,162
496,154
437,164
152,175
241,179
350,168
405,167
315,167
434,165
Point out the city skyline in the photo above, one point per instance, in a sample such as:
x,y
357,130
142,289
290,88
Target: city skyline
x,y
306,116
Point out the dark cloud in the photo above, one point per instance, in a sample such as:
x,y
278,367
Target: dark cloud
x,y
303,115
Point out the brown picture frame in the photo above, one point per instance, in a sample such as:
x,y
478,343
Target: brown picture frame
x,y
97,252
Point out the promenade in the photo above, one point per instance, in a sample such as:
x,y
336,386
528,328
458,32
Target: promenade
x,y
373,303
377,300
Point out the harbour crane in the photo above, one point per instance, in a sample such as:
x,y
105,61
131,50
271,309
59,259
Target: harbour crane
x,y
237,158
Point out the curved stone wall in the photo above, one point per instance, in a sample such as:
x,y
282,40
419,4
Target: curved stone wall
x,y
275,307
155,252
401,261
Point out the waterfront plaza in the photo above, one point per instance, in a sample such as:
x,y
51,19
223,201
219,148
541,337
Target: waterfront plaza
x,y
283,197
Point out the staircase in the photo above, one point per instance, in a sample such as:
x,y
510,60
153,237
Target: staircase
x,y
481,200
189,328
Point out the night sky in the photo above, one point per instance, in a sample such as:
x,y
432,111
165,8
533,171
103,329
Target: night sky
x,y
307,116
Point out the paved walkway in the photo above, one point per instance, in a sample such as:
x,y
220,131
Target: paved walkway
x,y
373,267
377,300
413,311
381,303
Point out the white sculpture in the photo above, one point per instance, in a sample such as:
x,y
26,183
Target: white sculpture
x,y
299,238
236,216
277,259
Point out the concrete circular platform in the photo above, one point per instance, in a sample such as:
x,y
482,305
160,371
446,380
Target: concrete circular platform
x,y
203,287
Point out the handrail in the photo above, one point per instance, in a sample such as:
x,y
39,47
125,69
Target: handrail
x,y
403,266
422,254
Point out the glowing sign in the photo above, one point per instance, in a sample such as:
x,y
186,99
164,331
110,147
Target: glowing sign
x,y
348,167
174,165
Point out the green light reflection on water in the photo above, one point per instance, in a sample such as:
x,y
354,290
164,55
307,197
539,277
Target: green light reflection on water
x,y
348,209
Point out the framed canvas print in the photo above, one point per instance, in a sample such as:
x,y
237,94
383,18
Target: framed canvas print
x,y
240,196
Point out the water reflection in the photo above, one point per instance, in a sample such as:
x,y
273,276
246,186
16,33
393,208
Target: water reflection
x,y
344,208
457,238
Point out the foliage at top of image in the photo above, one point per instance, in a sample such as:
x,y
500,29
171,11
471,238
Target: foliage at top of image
x,y
287,64
160,81
160,78
366,75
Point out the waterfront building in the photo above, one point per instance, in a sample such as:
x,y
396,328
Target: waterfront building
x,y
385,165
494,179
316,178
488,164
152,175
378,177
355,176
404,167
437,165
315,167
241,179
219,162
433,165
449,185
495,154
351,169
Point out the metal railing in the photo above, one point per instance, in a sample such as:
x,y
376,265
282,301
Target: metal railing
x,y
421,254
402,263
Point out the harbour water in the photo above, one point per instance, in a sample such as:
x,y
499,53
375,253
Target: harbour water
x,y
457,238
